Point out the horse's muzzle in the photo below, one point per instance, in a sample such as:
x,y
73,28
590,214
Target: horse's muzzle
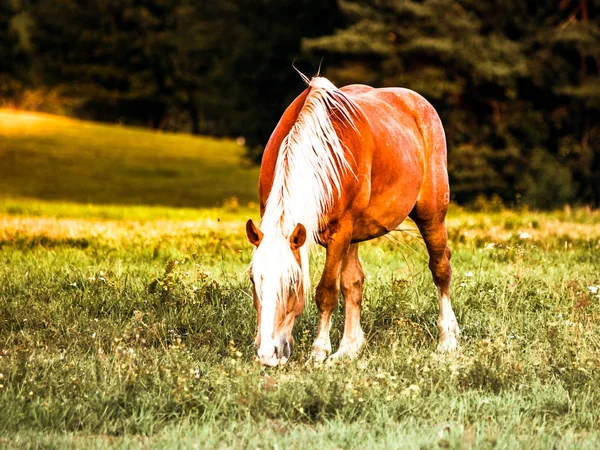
x,y
279,355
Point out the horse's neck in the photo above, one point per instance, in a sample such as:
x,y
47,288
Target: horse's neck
x,y
310,162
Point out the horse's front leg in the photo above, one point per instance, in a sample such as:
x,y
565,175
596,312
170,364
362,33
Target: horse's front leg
x,y
327,295
351,283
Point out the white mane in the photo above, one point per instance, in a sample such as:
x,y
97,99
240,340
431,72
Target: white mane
x,y
307,179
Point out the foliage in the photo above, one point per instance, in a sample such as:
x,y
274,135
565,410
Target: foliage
x,y
516,83
139,332
226,64
13,70
122,50
247,49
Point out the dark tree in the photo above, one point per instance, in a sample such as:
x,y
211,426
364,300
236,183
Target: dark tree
x,y
13,58
245,51
226,64
117,54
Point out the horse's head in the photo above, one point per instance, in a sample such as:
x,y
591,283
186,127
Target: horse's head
x,y
279,275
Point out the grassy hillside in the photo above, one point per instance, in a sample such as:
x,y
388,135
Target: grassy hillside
x,y
56,158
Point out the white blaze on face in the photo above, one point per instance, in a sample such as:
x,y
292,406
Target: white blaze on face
x,y
275,271
267,324
309,171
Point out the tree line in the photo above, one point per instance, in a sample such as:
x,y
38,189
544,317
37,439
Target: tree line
x,y
517,84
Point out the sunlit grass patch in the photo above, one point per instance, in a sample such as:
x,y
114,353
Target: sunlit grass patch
x,y
18,206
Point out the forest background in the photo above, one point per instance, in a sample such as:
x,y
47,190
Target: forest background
x,y
517,84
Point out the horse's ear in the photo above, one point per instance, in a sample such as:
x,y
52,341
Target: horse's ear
x,y
298,237
253,233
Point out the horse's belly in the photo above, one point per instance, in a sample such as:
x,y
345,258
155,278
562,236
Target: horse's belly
x,y
393,195
365,228
385,211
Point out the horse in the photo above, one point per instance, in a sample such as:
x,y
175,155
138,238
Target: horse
x,y
345,166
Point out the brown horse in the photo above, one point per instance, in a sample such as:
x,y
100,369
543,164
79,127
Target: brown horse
x,y
344,166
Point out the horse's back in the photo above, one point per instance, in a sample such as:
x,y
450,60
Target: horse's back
x,y
406,129
356,89
405,103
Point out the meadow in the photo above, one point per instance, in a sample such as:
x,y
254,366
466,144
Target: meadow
x,y
131,325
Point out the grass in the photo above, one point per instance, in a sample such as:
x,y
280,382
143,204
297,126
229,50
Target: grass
x,y
138,333
132,326
60,159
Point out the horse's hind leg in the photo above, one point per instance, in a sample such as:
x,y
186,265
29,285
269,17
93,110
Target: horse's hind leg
x,y
351,283
433,230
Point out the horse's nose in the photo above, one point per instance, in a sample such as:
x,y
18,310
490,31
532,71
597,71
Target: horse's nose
x,y
278,354
284,349
268,358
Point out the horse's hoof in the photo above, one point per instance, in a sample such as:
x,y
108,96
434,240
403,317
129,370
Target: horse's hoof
x,y
341,356
448,344
345,353
318,356
321,349
449,333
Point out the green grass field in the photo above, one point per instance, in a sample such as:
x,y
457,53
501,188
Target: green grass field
x,y
132,326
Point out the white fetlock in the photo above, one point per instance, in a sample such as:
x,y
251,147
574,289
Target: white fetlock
x,y
320,351
448,337
349,348
344,353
